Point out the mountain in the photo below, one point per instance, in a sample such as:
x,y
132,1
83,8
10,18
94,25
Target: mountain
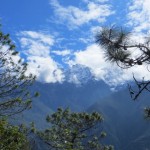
x,y
66,94
78,74
124,120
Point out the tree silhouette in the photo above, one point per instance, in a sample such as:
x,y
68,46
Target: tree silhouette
x,y
118,47
14,81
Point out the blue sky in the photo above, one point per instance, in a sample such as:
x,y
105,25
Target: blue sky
x,y
54,35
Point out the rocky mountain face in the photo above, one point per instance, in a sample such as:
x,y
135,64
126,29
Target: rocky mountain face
x,y
78,74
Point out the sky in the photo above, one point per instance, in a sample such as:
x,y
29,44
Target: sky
x,y
56,35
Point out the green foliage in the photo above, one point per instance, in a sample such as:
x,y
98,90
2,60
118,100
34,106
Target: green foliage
x,y
73,131
32,127
15,94
12,137
14,81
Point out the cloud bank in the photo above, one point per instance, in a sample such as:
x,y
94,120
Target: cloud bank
x,y
36,47
93,57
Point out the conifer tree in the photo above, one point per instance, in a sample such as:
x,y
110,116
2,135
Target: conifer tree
x,y
15,95
14,81
118,47
12,137
74,131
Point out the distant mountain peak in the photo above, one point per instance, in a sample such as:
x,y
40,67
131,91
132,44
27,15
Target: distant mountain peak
x,y
78,74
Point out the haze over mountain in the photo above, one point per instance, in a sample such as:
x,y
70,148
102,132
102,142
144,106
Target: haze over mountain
x,y
77,96
124,120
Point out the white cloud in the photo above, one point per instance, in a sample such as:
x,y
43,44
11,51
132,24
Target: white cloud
x,y
85,40
62,53
94,58
39,36
45,68
37,46
95,29
75,16
36,43
139,15
98,1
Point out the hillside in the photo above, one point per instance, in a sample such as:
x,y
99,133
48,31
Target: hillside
x,y
124,121
52,96
123,118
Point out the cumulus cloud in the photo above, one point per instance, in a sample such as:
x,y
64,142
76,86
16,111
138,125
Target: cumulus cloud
x,y
36,47
76,16
94,58
45,68
139,15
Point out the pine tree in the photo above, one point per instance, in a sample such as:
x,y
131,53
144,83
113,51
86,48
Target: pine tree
x,y
118,47
74,131
12,137
14,81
